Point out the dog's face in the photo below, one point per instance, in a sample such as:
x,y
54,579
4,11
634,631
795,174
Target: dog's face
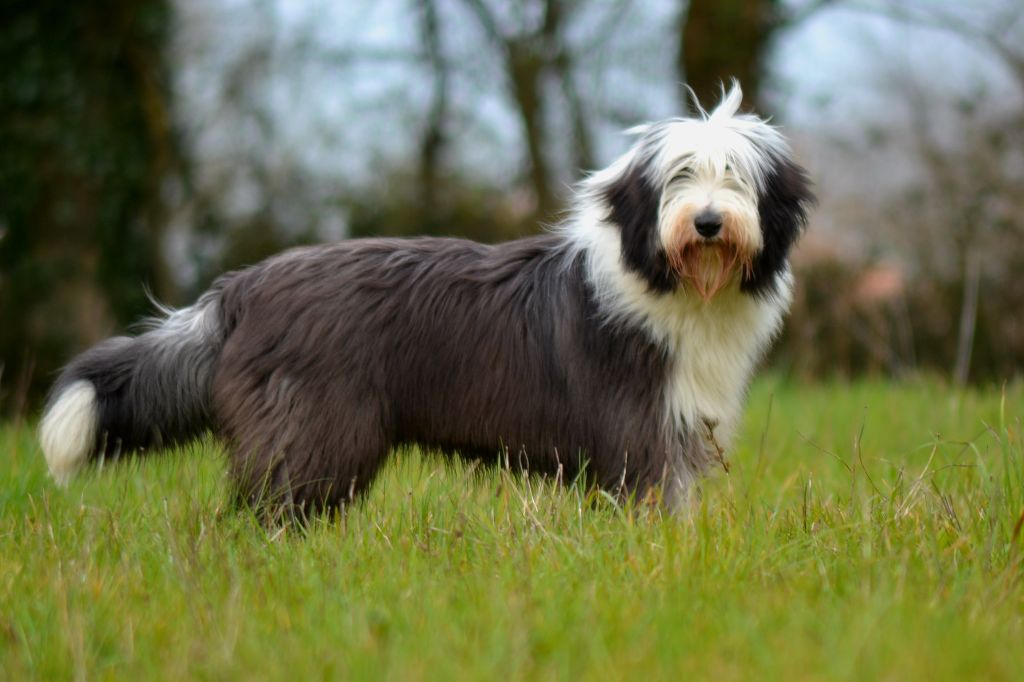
x,y
708,223
705,203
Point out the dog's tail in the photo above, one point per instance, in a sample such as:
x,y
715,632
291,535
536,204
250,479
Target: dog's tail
x,y
132,393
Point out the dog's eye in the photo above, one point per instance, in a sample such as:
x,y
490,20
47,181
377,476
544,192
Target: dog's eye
x,y
683,174
728,168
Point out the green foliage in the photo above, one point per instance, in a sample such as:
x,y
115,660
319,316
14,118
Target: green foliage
x,y
866,531
84,148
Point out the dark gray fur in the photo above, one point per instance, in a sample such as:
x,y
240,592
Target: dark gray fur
x,y
323,359
153,389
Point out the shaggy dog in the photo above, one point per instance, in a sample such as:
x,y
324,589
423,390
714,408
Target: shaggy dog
x,y
620,345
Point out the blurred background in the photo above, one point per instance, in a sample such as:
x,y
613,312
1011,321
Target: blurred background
x,y
152,144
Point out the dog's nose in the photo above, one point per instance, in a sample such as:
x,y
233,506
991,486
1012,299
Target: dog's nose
x,y
708,223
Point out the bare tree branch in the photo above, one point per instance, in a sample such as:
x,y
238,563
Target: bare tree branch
x,y
995,38
603,33
800,14
434,137
487,20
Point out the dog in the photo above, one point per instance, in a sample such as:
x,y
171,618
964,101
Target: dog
x,y
618,345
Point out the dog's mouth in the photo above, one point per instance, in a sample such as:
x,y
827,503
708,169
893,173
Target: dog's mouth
x,y
708,266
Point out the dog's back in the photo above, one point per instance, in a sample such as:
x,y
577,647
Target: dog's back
x,y
313,364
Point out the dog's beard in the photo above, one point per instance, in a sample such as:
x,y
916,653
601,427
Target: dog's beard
x,y
707,267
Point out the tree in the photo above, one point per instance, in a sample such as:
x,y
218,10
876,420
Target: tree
x,y
972,182
725,39
529,54
87,147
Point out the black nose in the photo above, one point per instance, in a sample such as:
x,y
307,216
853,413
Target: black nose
x,y
708,223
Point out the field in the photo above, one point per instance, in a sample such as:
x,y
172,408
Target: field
x,y
866,531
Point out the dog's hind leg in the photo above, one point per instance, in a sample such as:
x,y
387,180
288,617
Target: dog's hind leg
x,y
296,451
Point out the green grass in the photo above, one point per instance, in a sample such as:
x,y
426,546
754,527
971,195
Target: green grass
x,y
865,531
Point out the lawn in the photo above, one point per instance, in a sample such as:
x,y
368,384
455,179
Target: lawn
x,y
865,531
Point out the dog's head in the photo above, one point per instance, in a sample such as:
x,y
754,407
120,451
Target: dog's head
x,y
707,202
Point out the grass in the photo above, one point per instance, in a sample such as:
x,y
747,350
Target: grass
x,y
866,531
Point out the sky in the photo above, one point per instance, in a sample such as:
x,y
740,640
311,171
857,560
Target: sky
x,y
835,64
835,78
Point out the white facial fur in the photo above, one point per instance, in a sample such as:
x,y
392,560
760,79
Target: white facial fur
x,y
702,185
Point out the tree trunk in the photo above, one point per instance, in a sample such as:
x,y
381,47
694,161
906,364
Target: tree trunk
x,y
434,138
89,145
968,319
721,40
526,73
531,57
582,137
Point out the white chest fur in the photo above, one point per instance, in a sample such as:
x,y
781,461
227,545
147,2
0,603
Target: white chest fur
x,y
713,346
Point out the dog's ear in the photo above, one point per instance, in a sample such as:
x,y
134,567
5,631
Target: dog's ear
x,y
635,202
783,203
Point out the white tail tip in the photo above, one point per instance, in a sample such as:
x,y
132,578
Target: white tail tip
x,y
68,430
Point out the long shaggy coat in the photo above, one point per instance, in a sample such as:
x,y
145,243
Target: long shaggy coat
x,y
621,345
